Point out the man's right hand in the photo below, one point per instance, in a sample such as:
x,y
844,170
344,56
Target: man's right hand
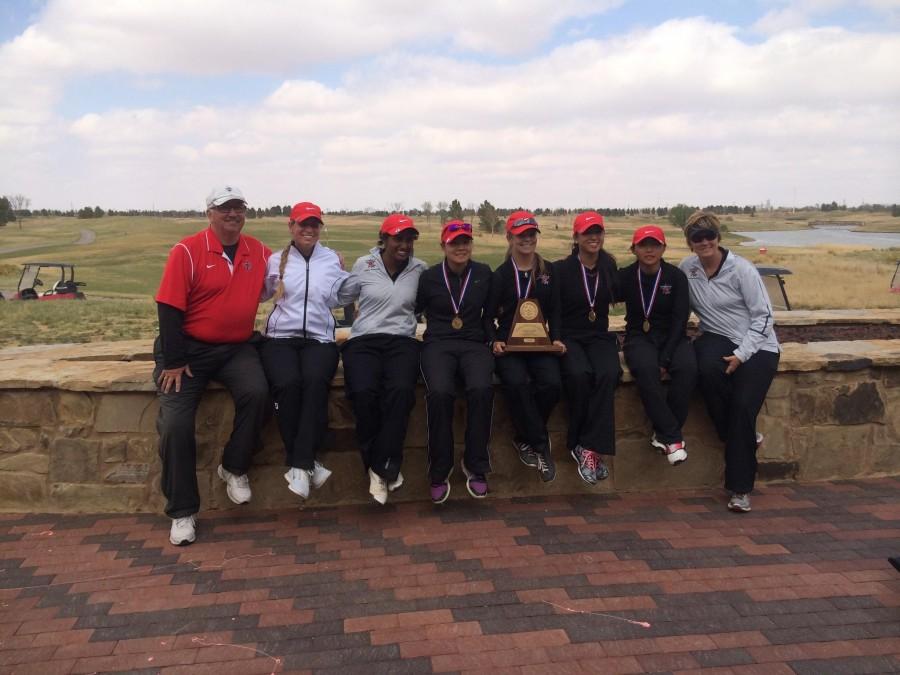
x,y
172,376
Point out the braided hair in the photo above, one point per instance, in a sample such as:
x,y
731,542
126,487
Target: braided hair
x,y
279,290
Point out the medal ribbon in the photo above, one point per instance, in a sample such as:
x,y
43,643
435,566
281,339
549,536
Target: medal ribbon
x,y
519,295
648,308
584,277
462,291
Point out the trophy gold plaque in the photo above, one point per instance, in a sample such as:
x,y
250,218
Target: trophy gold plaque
x,y
529,330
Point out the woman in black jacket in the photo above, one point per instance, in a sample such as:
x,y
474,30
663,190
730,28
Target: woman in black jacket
x,y
530,380
590,367
657,304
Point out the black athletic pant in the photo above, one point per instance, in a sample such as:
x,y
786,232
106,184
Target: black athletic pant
x,y
237,367
380,373
531,385
300,373
666,404
591,372
733,402
442,362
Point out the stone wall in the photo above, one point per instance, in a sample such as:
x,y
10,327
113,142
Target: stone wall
x,y
77,433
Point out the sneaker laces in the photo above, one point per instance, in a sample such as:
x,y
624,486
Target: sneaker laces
x,y
542,462
241,481
589,457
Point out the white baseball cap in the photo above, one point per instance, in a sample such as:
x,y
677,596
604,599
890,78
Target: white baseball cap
x,y
223,193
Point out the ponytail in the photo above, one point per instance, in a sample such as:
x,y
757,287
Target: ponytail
x,y
279,290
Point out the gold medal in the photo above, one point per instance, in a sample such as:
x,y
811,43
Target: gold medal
x,y
646,325
592,316
457,322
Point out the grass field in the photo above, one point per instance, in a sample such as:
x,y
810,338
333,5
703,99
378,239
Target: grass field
x,y
122,266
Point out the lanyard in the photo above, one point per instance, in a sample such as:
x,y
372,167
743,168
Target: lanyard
x,y
644,305
462,292
519,295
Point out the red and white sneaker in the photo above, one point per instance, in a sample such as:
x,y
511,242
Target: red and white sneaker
x,y
676,453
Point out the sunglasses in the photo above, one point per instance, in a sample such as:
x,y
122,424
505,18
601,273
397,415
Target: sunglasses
x,y
224,208
703,235
524,221
308,222
459,227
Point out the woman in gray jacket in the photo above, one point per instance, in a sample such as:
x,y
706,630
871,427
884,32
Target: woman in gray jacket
x,y
381,358
737,351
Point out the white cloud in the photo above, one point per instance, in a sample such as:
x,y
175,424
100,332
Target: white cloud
x,y
684,111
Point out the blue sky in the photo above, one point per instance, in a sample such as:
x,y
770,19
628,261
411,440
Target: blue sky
x,y
606,102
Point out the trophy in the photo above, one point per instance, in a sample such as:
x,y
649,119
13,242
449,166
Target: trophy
x,y
529,330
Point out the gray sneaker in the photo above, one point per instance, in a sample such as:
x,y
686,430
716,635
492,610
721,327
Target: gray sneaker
x,y
587,464
545,466
527,455
740,503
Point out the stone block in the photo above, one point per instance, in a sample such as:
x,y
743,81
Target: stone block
x,y
26,409
22,492
75,408
630,414
30,462
126,412
74,460
640,467
96,498
781,386
858,404
884,456
777,445
809,407
142,448
835,452
18,439
128,473
114,451
340,411
215,412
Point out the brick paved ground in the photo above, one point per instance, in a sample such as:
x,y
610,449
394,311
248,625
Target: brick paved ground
x,y
615,584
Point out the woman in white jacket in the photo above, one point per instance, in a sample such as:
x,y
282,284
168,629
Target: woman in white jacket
x,y
381,358
300,355
737,351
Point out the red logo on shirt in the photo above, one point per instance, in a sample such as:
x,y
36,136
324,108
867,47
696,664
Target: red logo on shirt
x,y
247,265
666,289
370,264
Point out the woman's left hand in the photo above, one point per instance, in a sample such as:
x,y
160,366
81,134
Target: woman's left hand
x,y
560,343
733,363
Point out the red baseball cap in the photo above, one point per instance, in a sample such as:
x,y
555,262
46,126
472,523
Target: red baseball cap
x,y
305,210
648,232
521,221
395,223
455,228
586,220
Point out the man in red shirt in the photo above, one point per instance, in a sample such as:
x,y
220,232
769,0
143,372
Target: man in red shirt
x,y
207,302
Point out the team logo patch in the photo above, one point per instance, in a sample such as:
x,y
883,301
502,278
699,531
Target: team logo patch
x,y
544,278
370,264
693,273
666,289
248,265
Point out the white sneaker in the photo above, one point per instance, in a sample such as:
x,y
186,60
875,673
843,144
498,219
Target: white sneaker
x,y
237,487
676,453
739,502
393,485
319,475
378,488
298,481
661,447
759,439
184,531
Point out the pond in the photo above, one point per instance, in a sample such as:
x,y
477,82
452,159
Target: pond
x,y
820,236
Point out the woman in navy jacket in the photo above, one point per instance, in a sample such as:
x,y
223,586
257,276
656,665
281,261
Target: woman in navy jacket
x,y
531,381
590,367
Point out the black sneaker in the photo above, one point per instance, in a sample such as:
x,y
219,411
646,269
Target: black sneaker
x,y
545,465
527,455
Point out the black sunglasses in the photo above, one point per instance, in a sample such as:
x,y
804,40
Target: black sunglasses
x,y
459,227
524,221
703,235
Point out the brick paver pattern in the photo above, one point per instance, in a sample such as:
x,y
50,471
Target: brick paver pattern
x,y
626,583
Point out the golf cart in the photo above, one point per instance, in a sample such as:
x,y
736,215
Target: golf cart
x,y
895,282
774,283
63,288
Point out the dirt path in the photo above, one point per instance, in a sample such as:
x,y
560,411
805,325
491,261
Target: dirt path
x,y
85,237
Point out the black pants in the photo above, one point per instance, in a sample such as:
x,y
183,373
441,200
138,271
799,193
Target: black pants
x,y
666,404
300,373
442,362
380,373
531,385
591,372
733,402
237,367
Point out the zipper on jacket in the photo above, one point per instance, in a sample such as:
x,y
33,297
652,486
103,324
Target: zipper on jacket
x,y
305,296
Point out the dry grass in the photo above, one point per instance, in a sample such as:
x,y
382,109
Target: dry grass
x,y
123,266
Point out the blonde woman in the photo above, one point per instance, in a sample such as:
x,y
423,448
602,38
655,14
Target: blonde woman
x,y
300,355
